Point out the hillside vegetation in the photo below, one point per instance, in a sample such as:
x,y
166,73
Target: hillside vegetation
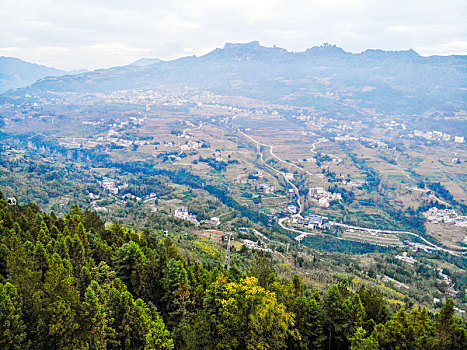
x,y
74,282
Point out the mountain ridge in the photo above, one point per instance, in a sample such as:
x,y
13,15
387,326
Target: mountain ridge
x,y
16,73
297,78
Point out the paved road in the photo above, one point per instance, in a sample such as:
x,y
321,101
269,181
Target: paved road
x,y
258,144
434,246
302,233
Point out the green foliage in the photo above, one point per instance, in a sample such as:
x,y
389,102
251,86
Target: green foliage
x,y
308,323
13,329
70,283
246,316
450,331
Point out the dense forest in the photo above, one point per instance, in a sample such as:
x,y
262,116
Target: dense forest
x,y
75,282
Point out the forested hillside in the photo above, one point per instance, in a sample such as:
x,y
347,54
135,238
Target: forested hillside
x,y
74,282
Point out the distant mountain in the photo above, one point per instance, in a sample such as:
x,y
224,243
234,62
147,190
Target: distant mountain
x,y
15,73
384,55
324,77
326,50
252,51
77,71
145,61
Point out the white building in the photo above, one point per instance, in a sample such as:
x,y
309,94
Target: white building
x,y
316,191
250,243
183,214
216,220
108,184
267,188
405,258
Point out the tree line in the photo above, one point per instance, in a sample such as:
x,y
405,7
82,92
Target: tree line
x,y
74,282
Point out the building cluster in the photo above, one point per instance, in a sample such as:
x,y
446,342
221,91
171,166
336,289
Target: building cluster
x,y
169,144
267,188
108,185
435,135
93,196
89,122
311,222
392,125
111,137
150,197
405,258
258,174
10,151
353,183
131,196
447,216
373,142
114,132
218,156
191,145
97,208
416,247
214,221
340,128
184,214
254,245
319,196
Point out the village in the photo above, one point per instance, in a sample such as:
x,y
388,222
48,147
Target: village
x,y
446,216
319,196
310,222
436,135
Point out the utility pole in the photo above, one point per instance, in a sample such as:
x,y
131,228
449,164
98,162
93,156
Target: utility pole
x,y
227,253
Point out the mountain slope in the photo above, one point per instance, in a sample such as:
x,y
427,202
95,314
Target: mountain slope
x,y
15,73
389,81
145,61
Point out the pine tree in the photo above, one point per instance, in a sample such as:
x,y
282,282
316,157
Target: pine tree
x,y
451,331
98,317
12,328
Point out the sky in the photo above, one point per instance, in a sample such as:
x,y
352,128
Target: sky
x,y
91,34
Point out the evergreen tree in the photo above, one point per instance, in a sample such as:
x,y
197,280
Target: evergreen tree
x,y
12,328
450,331
98,317
308,323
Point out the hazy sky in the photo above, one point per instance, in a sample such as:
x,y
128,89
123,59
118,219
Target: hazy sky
x,y
72,34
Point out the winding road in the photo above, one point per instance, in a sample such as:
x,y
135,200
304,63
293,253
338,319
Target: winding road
x,y
303,234
259,144
432,245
